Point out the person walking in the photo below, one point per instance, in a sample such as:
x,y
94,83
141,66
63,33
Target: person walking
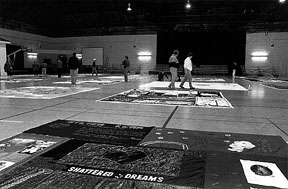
x,y
59,68
73,64
188,66
173,65
126,67
94,67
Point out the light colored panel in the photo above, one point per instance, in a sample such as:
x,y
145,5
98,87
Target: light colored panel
x,y
2,59
276,45
89,54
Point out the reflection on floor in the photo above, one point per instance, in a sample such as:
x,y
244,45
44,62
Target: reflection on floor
x,y
269,82
42,92
182,147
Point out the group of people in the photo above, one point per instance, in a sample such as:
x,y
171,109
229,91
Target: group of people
x,y
74,65
174,65
36,68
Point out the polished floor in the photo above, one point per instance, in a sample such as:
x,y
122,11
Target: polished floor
x,y
259,110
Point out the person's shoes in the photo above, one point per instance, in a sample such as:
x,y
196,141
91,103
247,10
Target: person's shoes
x,y
192,87
181,87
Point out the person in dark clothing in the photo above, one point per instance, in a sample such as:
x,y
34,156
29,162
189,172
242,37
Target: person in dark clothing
x,y
73,64
161,76
126,67
8,68
35,67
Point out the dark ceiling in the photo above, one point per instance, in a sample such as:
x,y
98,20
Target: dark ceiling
x,y
66,18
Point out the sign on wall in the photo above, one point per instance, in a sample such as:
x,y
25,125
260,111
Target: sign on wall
x,y
89,54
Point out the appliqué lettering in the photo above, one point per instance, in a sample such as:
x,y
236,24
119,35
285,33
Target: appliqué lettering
x,y
144,178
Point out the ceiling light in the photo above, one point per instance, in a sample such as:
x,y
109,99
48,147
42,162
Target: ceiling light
x,y
129,7
188,5
259,53
282,1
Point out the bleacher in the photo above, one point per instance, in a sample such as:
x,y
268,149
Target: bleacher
x,y
197,70
159,68
210,70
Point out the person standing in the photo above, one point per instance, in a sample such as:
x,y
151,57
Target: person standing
x,y
126,67
35,67
73,64
94,68
188,66
234,68
44,68
59,68
8,68
173,65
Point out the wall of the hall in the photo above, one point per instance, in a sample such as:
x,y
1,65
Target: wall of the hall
x,y
276,47
115,47
275,44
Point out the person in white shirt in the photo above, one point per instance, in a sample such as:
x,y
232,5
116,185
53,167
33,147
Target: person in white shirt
x,y
188,69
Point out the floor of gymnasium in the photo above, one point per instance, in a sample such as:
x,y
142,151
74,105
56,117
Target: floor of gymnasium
x,y
256,109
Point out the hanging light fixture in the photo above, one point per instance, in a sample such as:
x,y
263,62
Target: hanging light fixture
x,y
129,7
281,1
188,5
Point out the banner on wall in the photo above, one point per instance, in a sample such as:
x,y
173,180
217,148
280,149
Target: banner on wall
x,y
89,54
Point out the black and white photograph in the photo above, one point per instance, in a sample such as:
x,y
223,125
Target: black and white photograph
x,y
156,94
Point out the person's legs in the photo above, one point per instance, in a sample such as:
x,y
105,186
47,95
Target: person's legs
x,y
126,74
35,72
43,71
184,79
75,75
72,76
174,76
233,73
59,71
94,71
189,77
